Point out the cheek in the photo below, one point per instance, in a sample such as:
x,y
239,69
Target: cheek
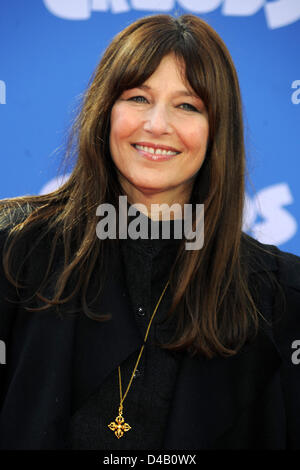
x,y
123,123
196,138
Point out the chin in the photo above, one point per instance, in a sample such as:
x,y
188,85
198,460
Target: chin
x,y
149,189
149,184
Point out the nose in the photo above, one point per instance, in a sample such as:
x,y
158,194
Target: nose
x,y
158,120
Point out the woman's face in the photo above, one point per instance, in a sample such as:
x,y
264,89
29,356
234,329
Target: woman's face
x,y
160,114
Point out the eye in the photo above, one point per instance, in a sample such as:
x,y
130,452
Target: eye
x,y
191,107
142,99
136,98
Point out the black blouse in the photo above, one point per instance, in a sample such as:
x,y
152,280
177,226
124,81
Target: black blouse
x,y
147,265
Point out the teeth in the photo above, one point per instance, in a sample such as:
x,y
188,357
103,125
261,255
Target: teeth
x,y
155,152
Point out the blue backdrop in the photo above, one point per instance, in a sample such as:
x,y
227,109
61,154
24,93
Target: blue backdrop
x,y
49,49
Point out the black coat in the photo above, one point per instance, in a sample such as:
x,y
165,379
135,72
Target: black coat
x,y
247,401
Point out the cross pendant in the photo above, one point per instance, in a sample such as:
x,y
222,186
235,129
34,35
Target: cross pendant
x,y
118,426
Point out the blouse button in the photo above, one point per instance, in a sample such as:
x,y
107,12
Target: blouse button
x,y
141,311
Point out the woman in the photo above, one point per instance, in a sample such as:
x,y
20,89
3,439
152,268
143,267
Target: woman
x,y
141,343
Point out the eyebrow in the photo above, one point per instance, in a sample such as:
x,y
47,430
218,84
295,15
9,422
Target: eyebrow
x,y
176,93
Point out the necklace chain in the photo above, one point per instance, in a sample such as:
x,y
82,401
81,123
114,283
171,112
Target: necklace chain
x,y
119,426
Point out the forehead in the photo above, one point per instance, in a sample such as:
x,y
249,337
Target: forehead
x,y
170,71
172,63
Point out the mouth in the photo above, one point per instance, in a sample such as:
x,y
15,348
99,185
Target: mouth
x,y
158,154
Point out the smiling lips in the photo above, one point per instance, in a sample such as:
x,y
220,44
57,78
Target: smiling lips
x,y
156,152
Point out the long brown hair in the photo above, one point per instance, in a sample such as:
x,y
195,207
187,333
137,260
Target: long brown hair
x,y
215,309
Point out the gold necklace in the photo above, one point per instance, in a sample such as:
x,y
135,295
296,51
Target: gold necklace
x,y
119,426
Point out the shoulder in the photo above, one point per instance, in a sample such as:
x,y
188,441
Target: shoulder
x,y
25,249
289,269
275,275
12,213
270,263
263,258
14,232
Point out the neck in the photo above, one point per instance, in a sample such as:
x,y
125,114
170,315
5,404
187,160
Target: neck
x,y
156,205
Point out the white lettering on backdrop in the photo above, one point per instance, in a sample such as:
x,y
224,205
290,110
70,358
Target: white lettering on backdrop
x,y
278,13
277,224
